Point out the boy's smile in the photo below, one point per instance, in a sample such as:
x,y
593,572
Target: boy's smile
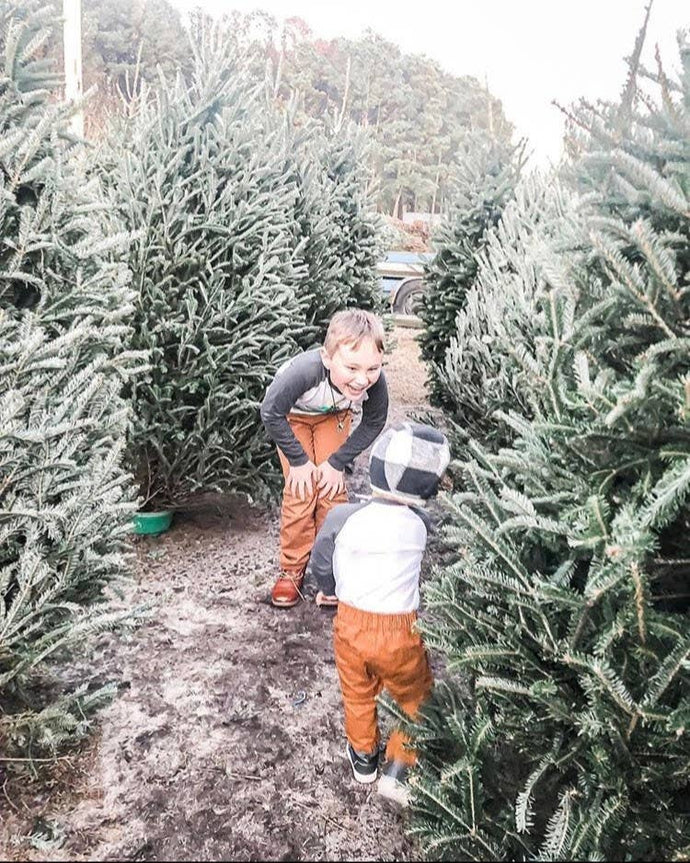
x,y
354,369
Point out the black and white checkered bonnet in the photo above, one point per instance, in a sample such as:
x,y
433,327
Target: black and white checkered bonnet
x,y
408,461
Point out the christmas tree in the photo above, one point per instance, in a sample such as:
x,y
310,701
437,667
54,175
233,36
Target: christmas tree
x,y
485,176
65,305
498,328
250,233
561,731
356,229
337,231
199,176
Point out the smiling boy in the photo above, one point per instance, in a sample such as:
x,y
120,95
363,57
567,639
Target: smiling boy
x,y
307,413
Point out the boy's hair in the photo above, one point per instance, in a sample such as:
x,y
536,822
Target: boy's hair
x,y
351,327
408,461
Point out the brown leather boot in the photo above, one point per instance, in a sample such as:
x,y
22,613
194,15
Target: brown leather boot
x,y
286,591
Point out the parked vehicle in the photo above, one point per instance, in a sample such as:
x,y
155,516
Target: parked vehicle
x,y
402,279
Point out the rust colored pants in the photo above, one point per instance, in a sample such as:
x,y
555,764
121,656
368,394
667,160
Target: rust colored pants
x,y
300,520
375,652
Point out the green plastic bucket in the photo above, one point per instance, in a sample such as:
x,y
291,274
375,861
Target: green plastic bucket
x,y
152,522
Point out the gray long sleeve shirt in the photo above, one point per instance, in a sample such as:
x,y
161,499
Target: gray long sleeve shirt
x,y
302,386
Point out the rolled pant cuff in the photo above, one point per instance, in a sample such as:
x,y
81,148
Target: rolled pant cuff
x,y
396,750
363,749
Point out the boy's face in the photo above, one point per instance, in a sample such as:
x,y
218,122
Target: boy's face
x,y
354,369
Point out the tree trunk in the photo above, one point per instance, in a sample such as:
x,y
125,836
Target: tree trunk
x,y
438,176
365,112
489,108
279,70
397,203
346,92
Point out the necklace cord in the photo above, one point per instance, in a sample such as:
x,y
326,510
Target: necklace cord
x,y
336,411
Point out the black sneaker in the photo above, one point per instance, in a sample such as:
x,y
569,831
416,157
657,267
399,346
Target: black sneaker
x,y
364,767
393,783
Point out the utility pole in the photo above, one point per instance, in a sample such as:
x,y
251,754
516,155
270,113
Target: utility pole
x,y
71,12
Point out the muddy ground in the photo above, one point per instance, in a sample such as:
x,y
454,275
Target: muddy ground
x,y
226,740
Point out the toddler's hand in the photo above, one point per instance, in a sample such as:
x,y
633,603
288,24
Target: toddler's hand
x,y
299,480
331,481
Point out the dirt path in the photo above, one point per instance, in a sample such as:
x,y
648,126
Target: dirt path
x,y
226,741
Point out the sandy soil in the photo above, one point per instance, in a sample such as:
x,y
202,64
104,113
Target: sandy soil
x,y
226,740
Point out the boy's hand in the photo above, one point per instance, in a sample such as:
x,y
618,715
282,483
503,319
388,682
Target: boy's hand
x,y
331,481
299,480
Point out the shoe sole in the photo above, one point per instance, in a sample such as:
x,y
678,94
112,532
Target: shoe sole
x,y
364,780
323,604
388,789
287,604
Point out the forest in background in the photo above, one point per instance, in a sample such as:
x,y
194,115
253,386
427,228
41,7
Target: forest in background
x,y
419,115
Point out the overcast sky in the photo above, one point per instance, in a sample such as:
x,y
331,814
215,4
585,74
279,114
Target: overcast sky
x,y
529,51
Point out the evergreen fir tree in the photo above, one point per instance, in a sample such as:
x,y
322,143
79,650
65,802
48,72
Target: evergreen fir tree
x,y
315,265
251,232
496,333
565,594
485,178
65,304
356,228
337,231
200,176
